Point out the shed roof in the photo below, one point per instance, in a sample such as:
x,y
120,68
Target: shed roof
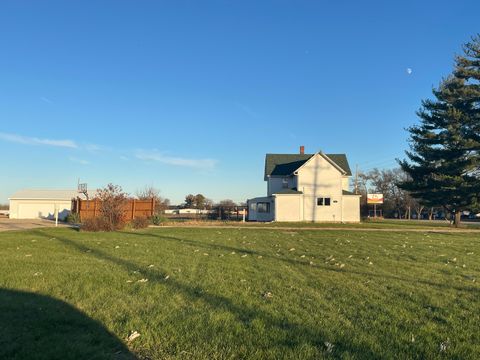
x,y
288,192
346,192
45,194
286,164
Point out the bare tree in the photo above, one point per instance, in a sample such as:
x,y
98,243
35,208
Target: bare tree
x,y
227,203
397,202
208,204
149,192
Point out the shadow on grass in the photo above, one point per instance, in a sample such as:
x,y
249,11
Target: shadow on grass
x,y
307,263
294,335
40,327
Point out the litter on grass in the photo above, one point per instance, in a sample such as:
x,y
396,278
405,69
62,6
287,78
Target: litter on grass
x,y
267,295
329,346
444,345
133,335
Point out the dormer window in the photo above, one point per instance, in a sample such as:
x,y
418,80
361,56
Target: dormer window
x,y
285,183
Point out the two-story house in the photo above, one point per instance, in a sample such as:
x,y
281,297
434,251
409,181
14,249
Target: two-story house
x,y
306,187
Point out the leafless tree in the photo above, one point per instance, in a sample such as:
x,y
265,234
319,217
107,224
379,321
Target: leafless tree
x,y
149,192
396,200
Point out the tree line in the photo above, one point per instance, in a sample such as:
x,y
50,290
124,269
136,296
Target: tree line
x,y
398,202
198,201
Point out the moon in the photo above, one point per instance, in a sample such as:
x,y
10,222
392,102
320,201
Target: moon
x,y
409,71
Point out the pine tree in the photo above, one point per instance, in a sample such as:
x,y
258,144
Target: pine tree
x,y
444,158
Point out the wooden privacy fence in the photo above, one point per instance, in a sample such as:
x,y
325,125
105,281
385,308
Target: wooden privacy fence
x,y
133,208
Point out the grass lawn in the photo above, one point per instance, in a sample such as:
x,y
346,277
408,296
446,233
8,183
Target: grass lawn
x,y
239,294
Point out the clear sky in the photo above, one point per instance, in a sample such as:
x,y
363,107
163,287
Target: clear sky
x,y
188,96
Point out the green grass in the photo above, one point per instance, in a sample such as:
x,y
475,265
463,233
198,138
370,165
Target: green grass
x,y
370,295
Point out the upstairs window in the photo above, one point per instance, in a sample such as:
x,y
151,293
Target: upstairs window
x,y
263,207
323,201
285,183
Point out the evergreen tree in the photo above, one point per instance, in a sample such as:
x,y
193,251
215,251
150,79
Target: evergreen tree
x,y
444,158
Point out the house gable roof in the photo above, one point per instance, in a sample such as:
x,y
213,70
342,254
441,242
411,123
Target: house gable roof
x,y
286,164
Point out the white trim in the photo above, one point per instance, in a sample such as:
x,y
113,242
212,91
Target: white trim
x,y
335,165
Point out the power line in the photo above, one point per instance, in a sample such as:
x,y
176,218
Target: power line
x,y
380,165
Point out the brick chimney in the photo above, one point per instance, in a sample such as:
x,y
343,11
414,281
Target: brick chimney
x,y
302,149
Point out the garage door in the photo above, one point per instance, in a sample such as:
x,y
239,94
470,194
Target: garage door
x,y
36,210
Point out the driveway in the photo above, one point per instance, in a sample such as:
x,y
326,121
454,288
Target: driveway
x,y
14,224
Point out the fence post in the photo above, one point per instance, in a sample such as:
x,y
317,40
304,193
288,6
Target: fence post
x,y
94,208
133,210
153,207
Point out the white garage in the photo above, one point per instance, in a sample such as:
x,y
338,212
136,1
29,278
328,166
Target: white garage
x,y
35,204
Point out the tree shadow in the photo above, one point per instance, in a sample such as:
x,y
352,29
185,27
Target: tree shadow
x,y
41,327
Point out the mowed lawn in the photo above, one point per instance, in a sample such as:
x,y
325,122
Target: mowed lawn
x,y
239,294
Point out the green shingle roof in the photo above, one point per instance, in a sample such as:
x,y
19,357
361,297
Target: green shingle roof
x,y
286,164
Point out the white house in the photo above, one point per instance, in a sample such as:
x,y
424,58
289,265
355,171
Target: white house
x,y
41,203
306,187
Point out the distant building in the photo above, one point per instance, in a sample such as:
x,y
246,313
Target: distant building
x,y
306,187
41,203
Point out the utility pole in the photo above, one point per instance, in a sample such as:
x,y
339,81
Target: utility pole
x,y
356,179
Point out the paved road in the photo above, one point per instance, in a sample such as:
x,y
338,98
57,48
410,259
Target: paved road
x,y
14,224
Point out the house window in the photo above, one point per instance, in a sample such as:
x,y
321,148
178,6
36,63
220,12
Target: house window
x,y
263,207
323,201
285,183
253,206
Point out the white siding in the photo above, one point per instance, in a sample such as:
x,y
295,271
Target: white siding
x,y
319,178
351,208
346,183
288,207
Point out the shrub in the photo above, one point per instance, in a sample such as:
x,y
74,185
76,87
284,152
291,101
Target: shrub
x,y
73,218
96,224
112,204
140,222
158,219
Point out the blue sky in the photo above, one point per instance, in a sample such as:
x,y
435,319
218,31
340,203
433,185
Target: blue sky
x,y
188,96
